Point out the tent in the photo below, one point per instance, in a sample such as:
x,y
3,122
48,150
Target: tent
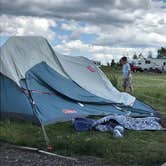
x,y
42,86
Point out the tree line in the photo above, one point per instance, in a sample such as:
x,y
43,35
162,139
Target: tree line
x,y
161,53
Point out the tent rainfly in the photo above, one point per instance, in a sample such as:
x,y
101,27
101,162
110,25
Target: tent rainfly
x,y
42,86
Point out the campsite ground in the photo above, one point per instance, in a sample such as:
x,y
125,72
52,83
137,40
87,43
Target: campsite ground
x,y
136,148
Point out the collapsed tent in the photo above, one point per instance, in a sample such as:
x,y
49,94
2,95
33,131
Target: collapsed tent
x,y
42,86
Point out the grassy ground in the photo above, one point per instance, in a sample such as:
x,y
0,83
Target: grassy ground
x,y
136,148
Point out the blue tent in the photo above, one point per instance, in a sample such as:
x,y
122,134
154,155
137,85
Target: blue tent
x,y
42,86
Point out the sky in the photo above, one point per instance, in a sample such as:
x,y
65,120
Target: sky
x,y
97,29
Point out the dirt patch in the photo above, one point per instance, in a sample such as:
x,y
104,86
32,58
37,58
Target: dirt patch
x,y
11,156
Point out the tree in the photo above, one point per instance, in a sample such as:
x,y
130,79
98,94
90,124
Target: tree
x,y
150,54
135,56
112,63
140,56
108,64
98,63
161,53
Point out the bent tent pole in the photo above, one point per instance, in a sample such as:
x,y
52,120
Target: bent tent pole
x,y
42,126
44,131
34,108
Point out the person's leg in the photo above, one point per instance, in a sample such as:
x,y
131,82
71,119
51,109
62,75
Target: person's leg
x,y
124,84
131,89
130,85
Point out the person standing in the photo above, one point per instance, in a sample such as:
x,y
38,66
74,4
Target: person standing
x,y
126,70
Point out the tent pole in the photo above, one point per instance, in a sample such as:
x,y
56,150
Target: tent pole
x,y
46,138
47,141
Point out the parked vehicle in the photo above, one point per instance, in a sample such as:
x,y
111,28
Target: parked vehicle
x,y
151,64
164,67
135,68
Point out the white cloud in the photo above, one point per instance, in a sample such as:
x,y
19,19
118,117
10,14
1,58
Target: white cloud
x,y
101,53
68,47
122,27
103,58
96,12
75,26
117,53
21,25
77,29
146,31
77,44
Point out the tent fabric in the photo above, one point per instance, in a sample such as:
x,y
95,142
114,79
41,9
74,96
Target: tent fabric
x,y
20,54
54,104
13,103
63,85
59,99
55,87
90,77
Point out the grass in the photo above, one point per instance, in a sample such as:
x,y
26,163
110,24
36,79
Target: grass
x,y
136,148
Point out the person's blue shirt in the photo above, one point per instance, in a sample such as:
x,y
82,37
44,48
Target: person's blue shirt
x,y
126,70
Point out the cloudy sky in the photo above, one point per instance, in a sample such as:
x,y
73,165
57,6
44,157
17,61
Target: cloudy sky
x,y
98,29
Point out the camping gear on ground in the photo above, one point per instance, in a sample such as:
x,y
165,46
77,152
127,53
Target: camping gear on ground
x,y
120,128
118,132
117,123
82,124
146,123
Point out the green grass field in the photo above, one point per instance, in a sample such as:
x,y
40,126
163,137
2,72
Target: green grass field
x,y
136,148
